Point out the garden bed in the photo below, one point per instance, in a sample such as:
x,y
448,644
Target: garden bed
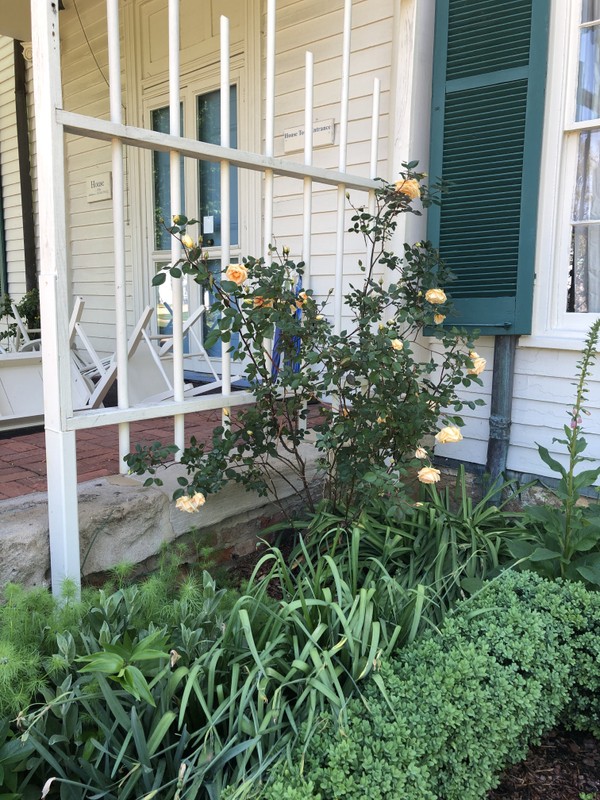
x,y
565,766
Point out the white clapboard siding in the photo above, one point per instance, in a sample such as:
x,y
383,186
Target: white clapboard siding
x,y
543,394
85,91
317,27
473,447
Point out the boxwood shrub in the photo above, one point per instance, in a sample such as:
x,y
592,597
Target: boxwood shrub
x,y
461,704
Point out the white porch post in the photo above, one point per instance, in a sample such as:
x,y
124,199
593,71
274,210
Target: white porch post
x,y
338,299
54,298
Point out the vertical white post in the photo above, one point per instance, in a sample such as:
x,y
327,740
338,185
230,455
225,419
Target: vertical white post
x,y
308,155
175,175
114,79
374,139
341,192
225,198
54,299
269,127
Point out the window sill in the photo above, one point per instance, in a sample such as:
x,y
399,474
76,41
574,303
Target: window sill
x,y
567,339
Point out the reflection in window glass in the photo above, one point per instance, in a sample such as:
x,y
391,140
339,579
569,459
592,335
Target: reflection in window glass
x,y
211,318
588,85
590,10
164,308
162,182
585,250
209,173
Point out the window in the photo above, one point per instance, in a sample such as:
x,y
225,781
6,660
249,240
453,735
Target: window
x,y
567,290
161,174
584,289
201,199
209,173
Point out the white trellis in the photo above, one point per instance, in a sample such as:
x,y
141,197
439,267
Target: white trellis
x,y
52,124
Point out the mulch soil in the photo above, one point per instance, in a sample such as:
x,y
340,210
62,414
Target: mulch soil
x,y
565,766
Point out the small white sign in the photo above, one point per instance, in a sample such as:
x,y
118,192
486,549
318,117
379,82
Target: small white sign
x,y
99,188
323,135
208,225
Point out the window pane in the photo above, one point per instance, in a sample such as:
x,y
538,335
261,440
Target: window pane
x,y
585,251
209,174
588,86
586,269
586,202
162,182
164,307
590,10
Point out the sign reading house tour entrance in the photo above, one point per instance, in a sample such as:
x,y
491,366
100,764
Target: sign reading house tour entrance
x,y
323,134
99,188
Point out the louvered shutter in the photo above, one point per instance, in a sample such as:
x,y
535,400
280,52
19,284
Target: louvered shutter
x,y
487,118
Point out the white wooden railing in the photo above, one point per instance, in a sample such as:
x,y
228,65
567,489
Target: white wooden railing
x,y
52,125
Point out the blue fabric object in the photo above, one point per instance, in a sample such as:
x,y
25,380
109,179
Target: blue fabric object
x,y
277,342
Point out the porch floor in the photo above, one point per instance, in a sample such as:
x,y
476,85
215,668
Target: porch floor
x,y
23,455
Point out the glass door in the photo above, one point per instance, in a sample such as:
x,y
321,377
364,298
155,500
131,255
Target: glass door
x,y
201,196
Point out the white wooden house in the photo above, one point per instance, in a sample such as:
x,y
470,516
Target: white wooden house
x,y
501,97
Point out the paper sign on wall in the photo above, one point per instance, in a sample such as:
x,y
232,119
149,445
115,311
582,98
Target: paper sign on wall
x,y
323,135
99,188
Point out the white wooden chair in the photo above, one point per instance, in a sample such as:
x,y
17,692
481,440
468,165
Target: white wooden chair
x,y
90,363
197,351
26,339
150,378
22,390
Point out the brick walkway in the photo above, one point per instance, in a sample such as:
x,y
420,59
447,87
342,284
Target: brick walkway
x,y
23,456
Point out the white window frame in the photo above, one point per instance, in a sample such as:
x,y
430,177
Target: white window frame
x,y
554,326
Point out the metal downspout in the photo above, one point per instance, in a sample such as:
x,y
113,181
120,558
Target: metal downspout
x,y
500,409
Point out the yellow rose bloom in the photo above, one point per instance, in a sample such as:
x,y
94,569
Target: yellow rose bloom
x,y
420,452
381,420
177,219
448,435
236,273
397,344
479,364
190,504
428,475
408,187
435,296
187,241
301,299
439,318
261,302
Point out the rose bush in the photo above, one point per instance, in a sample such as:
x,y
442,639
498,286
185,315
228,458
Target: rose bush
x,y
378,395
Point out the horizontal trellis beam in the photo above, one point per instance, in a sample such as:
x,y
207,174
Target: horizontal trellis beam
x,y
82,125
113,416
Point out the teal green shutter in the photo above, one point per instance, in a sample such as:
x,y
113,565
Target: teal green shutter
x,y
486,136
